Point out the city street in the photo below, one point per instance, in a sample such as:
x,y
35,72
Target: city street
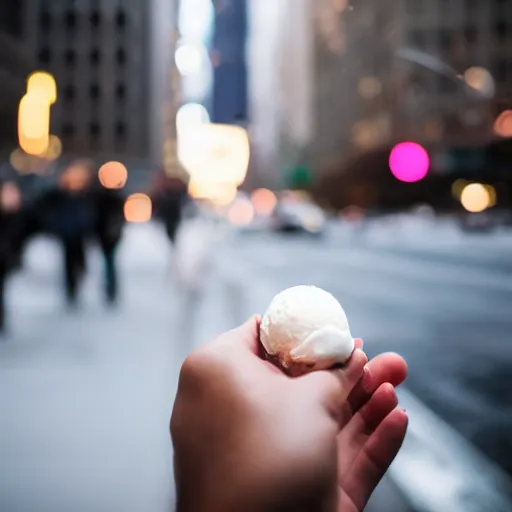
x,y
86,395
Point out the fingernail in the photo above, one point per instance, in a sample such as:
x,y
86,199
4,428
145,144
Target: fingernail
x,y
366,380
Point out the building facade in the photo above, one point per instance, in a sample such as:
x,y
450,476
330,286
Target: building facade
x,y
99,53
229,98
363,76
15,65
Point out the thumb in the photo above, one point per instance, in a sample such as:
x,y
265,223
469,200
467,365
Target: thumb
x,y
333,387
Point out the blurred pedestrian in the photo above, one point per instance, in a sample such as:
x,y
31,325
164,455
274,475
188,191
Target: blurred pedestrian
x,y
68,213
108,230
169,196
249,438
11,234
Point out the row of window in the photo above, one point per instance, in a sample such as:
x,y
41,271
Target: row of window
x,y
46,56
69,92
447,37
71,19
95,130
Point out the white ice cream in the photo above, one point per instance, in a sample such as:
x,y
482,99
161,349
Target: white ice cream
x,y
307,326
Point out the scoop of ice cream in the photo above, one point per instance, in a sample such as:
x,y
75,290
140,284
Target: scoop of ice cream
x,y
306,327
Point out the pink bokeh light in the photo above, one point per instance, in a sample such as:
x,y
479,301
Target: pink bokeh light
x,y
409,162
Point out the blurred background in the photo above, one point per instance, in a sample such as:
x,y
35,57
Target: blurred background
x,y
167,166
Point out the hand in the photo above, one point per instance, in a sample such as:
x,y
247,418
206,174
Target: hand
x,y
247,437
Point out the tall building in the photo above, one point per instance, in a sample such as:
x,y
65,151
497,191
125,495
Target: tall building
x,y
99,53
344,78
15,65
229,102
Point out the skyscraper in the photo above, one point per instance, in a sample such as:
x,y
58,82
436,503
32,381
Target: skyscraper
x,y
230,69
365,75
98,52
15,64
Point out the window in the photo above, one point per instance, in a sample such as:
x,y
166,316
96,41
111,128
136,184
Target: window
x,y
45,20
70,57
121,20
501,30
121,56
94,91
68,130
120,130
95,19
94,129
95,57
44,56
502,67
70,19
121,91
69,93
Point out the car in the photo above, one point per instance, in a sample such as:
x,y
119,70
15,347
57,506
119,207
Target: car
x,y
302,218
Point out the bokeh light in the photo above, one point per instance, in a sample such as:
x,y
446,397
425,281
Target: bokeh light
x,y
219,193
264,202
503,124
241,213
480,79
138,208
113,175
215,152
190,115
43,83
409,162
195,18
457,188
369,87
77,176
10,197
54,150
493,195
34,123
189,58
475,198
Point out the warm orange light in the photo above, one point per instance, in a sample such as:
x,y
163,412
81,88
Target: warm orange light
x,y
264,201
43,83
503,124
113,175
475,198
34,124
138,208
241,213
